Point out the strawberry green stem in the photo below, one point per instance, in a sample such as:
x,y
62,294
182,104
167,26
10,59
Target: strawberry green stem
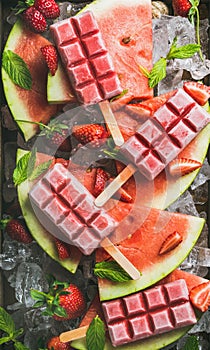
x,y
198,31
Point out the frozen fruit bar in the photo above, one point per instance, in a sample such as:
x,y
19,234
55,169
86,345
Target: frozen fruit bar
x,y
65,206
154,311
160,139
85,58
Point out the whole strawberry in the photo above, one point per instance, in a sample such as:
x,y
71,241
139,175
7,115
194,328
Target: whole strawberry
x,y
51,57
16,229
92,134
55,344
64,301
34,19
48,8
181,7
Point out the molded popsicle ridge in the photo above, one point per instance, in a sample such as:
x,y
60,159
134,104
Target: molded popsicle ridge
x,y
161,138
154,311
69,206
85,57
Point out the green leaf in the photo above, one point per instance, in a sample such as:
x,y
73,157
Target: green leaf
x,y
60,311
39,170
31,162
182,52
6,322
38,304
18,333
37,295
19,346
17,69
191,343
112,271
4,340
158,72
20,173
95,336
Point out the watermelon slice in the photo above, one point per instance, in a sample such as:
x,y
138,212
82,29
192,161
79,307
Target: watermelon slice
x,y
28,104
153,343
145,246
43,238
129,42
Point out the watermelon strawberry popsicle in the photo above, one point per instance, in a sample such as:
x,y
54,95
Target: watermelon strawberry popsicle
x,y
85,57
160,139
66,208
142,315
87,63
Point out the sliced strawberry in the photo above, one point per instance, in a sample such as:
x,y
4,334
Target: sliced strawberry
x,y
199,92
63,249
183,166
148,107
171,242
100,181
200,296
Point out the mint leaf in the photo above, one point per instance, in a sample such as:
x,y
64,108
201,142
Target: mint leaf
x,y
182,52
112,271
17,69
39,170
20,173
158,72
6,322
4,340
19,346
191,343
95,336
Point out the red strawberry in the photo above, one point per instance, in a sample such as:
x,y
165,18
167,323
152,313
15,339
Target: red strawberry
x,y
34,19
199,92
48,8
183,166
63,249
124,196
60,139
16,229
73,303
100,181
64,301
181,7
200,296
93,134
51,57
55,344
171,242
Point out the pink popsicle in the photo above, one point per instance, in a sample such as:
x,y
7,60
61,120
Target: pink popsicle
x,y
154,311
85,58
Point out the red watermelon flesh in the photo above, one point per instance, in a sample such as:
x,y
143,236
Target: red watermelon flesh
x,y
29,105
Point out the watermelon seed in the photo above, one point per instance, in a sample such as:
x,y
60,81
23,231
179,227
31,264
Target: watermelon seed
x,y
126,40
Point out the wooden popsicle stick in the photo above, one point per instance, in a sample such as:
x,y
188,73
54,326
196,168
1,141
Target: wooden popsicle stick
x,y
132,271
74,334
115,185
111,123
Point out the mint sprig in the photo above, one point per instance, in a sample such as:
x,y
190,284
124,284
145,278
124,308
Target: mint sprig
x,y
17,69
26,169
158,71
191,343
194,12
111,270
7,325
95,336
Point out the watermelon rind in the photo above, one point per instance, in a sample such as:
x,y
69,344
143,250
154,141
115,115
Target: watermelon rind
x,y
43,238
153,343
32,104
58,87
157,270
